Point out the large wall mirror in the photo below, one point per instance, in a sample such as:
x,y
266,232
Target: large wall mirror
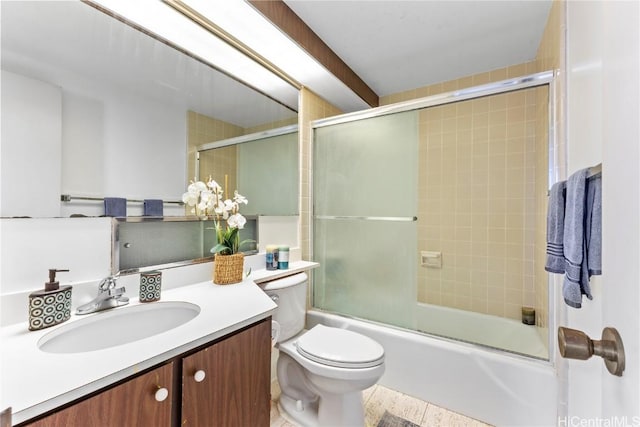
x,y
93,107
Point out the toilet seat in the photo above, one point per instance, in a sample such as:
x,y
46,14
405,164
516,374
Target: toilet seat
x,y
339,348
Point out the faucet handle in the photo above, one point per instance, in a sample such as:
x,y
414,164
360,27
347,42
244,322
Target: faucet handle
x,y
107,283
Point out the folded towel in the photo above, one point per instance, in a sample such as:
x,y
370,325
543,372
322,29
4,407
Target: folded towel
x,y
592,244
574,238
555,229
153,207
115,206
574,234
593,226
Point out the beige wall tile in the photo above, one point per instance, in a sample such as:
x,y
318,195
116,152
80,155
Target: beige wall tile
x,y
473,206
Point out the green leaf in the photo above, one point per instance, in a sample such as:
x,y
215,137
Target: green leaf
x,y
221,249
246,241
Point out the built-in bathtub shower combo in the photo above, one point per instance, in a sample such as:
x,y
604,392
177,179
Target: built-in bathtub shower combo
x,y
429,224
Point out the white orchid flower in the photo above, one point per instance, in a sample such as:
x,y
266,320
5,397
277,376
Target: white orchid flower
x,y
202,207
214,185
207,199
236,221
229,205
221,210
239,198
189,199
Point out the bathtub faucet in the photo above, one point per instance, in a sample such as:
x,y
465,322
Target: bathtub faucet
x,y
108,297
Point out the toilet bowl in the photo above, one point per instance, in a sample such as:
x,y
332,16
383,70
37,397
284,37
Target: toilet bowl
x,y
322,376
323,371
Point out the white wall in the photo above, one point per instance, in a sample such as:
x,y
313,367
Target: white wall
x,y
119,145
114,142
278,230
603,76
30,247
30,146
621,202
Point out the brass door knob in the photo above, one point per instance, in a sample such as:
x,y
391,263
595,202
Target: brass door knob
x,y
576,344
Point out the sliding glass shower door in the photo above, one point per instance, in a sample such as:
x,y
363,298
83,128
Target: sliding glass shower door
x,y
365,205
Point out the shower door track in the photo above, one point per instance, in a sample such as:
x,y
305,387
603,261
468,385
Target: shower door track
x,y
503,86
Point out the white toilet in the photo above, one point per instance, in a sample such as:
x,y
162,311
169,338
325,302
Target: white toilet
x,y
322,371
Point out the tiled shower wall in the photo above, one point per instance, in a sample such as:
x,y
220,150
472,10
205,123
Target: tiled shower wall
x,y
480,280
202,129
224,162
477,203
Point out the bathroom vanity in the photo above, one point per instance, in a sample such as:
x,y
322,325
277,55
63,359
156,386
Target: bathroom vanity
x,y
226,382
214,367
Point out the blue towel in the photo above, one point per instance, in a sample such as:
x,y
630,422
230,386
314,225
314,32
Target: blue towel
x,y
153,207
594,225
555,229
582,236
573,240
115,206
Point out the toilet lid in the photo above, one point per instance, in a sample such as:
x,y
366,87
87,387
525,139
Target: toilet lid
x,y
339,348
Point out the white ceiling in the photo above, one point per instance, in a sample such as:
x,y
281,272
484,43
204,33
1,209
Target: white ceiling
x,y
398,45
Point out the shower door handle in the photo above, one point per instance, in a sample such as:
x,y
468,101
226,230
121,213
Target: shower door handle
x,y
574,344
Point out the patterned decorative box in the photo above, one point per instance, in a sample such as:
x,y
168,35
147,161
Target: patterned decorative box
x,y
150,286
49,308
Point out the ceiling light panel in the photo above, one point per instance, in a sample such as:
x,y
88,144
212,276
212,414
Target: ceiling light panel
x,y
163,20
247,25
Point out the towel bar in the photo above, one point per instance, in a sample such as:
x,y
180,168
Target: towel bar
x,y
69,198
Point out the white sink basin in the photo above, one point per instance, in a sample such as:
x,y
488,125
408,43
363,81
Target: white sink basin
x,y
117,326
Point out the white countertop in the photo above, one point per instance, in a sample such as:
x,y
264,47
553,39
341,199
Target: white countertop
x,y
34,382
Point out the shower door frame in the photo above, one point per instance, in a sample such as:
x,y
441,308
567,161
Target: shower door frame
x,y
555,162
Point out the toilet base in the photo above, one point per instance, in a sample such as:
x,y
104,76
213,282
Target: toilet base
x,y
329,410
304,415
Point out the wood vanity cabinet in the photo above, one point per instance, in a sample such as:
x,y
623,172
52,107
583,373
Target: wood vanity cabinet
x,y
224,384
235,390
132,403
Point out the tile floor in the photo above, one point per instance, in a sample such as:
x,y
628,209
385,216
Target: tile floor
x,y
378,399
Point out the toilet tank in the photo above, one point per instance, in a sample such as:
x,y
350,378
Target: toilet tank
x,y
290,293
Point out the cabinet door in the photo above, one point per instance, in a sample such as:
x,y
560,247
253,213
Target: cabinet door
x,y
235,390
129,404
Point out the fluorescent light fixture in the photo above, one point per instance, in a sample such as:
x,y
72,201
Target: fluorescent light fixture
x,y
161,19
247,25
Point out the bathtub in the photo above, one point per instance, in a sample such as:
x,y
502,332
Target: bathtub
x,y
493,386
491,331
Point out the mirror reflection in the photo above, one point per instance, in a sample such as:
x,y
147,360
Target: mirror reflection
x,y
118,111
263,167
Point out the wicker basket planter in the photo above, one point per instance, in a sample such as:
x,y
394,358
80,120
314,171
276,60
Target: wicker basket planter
x,y
228,269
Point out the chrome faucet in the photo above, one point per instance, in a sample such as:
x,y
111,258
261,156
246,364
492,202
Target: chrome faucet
x,y
108,297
